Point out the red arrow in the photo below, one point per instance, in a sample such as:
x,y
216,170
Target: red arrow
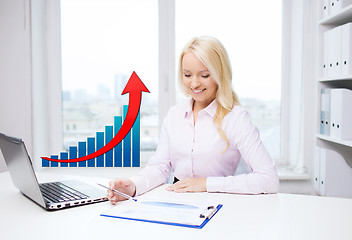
x,y
134,87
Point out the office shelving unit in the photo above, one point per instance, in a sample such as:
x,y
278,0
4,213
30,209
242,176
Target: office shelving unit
x,y
333,163
339,18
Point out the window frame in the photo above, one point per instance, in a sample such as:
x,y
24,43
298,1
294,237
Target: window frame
x,y
298,89
46,79
167,91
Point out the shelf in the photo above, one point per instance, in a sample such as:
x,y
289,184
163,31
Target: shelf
x,y
331,168
347,143
340,18
329,79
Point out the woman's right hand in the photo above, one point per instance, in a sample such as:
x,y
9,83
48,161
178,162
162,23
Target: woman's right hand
x,y
121,185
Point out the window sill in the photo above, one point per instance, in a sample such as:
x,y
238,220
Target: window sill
x,y
292,174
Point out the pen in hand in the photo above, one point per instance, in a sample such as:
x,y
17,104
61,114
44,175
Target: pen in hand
x,y
119,193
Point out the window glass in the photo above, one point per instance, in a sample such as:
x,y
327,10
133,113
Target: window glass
x,y
103,42
251,33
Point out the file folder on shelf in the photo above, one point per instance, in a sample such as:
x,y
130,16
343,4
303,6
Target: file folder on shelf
x,y
325,59
334,52
346,61
325,9
337,5
334,174
180,214
316,172
325,111
341,114
337,52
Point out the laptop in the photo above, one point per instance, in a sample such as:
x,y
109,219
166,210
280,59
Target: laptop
x,y
52,195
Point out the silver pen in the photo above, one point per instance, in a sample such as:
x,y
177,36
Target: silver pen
x,y
119,193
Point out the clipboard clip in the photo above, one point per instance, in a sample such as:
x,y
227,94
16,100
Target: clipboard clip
x,y
208,212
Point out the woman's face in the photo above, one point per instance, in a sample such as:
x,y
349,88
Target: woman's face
x,y
198,81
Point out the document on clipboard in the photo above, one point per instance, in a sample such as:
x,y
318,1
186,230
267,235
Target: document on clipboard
x,y
182,214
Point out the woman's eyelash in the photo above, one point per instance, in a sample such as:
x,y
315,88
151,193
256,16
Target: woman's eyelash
x,y
203,76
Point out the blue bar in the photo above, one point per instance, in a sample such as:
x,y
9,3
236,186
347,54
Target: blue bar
x,y
91,149
45,163
118,148
100,144
126,143
64,155
108,138
136,162
82,149
73,154
54,164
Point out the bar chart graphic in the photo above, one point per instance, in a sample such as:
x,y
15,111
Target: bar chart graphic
x,y
124,154
116,146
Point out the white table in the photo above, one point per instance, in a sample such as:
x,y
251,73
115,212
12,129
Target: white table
x,y
274,216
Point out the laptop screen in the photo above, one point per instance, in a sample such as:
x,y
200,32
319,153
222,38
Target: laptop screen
x,y
20,167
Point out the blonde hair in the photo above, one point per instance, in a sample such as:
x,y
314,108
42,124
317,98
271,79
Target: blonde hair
x,y
214,56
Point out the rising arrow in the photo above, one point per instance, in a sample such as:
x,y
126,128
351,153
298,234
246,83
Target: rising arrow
x,y
134,87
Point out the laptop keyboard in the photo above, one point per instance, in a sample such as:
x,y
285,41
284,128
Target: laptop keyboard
x,y
58,192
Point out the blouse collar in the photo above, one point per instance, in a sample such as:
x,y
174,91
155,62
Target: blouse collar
x,y
210,109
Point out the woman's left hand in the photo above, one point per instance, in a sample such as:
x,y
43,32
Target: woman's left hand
x,y
189,185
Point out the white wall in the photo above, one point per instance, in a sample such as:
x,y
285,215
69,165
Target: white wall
x,y
15,71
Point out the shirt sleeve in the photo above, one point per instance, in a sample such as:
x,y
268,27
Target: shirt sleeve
x,y
158,168
263,178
